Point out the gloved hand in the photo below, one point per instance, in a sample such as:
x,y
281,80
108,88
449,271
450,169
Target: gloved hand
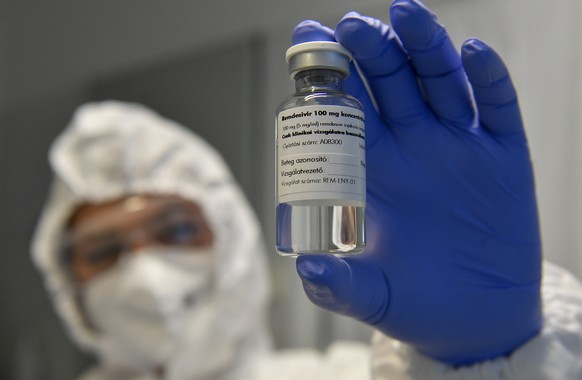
x,y
453,259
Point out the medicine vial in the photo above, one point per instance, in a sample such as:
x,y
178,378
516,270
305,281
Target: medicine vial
x,y
321,157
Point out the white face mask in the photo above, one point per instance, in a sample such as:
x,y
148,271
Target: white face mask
x,y
144,306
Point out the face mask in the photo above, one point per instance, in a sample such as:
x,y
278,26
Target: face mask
x,y
142,308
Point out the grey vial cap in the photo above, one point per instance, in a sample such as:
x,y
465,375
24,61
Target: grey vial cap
x,y
318,55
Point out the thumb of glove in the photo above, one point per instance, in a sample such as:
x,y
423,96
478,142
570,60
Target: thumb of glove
x,y
346,286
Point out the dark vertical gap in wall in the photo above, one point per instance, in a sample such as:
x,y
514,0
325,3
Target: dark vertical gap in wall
x,y
260,130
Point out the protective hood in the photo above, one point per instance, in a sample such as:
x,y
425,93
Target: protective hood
x,y
113,149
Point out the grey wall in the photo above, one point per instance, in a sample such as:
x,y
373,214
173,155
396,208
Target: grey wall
x,y
214,91
51,45
27,324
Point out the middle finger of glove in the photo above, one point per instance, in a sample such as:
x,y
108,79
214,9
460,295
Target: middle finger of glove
x,y
435,60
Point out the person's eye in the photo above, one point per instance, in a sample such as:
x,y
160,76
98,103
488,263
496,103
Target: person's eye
x,y
103,253
180,233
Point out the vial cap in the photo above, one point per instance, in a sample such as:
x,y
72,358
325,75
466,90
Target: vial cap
x,y
318,55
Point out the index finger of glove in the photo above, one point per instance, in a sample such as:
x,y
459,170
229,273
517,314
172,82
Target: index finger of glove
x,y
310,30
385,66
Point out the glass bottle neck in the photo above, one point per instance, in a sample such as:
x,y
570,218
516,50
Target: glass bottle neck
x,y
319,80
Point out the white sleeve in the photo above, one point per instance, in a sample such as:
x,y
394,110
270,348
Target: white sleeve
x,y
343,360
556,353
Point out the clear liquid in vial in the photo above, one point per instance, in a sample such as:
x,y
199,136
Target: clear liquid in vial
x,y
310,227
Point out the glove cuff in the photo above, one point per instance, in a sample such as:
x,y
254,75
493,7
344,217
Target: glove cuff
x,y
553,354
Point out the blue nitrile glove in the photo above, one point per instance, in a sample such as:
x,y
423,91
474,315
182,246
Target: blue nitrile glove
x,y
453,260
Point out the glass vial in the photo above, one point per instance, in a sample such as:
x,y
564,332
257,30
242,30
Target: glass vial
x,y
321,157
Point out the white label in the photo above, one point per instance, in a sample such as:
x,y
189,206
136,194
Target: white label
x,y
321,154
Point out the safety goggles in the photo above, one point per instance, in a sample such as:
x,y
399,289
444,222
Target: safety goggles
x,y
101,234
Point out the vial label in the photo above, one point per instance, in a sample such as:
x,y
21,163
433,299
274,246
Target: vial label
x,y
321,155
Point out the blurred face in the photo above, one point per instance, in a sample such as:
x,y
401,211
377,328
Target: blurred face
x,y
100,234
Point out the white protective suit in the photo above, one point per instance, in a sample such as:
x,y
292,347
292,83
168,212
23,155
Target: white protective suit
x,y
113,149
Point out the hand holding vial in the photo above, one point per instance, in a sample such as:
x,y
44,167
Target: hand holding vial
x,y
453,253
